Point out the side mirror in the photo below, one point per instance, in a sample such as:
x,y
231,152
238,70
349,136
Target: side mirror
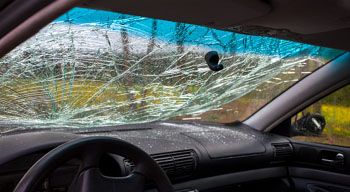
x,y
310,124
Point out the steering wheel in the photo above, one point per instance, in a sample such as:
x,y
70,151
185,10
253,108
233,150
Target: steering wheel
x,y
89,179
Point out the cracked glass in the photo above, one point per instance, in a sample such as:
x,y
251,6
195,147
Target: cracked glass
x,y
93,68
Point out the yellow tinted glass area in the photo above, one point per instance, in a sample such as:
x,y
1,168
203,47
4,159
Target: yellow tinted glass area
x,y
335,108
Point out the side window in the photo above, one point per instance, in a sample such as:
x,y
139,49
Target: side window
x,y
326,121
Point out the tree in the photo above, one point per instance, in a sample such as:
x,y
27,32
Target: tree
x,y
151,42
180,35
150,48
128,81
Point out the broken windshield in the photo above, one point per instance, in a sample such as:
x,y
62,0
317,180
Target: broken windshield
x,y
93,68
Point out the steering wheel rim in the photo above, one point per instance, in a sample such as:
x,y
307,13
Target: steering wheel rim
x,y
89,150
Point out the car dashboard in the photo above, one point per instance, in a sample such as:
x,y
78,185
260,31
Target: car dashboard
x,y
195,156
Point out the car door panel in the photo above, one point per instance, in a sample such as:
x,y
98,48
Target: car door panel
x,y
320,168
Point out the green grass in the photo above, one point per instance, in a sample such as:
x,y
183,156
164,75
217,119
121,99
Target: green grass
x,y
337,119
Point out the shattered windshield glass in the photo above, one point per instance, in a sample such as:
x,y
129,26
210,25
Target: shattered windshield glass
x,y
95,68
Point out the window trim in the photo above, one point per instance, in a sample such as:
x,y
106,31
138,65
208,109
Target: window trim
x,y
312,88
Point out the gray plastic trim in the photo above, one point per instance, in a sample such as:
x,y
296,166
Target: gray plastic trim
x,y
319,175
232,178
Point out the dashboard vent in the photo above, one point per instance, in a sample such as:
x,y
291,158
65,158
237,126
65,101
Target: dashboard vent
x,y
282,151
176,164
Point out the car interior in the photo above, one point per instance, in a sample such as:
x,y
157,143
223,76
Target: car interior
x,y
261,152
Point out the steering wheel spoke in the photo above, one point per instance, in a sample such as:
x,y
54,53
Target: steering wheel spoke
x,y
91,180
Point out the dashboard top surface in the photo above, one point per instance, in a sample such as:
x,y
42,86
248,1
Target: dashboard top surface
x,y
209,141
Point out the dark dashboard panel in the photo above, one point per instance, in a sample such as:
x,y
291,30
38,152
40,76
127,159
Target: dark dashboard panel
x,y
228,143
159,137
195,150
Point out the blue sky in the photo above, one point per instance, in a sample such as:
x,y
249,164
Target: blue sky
x,y
219,40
